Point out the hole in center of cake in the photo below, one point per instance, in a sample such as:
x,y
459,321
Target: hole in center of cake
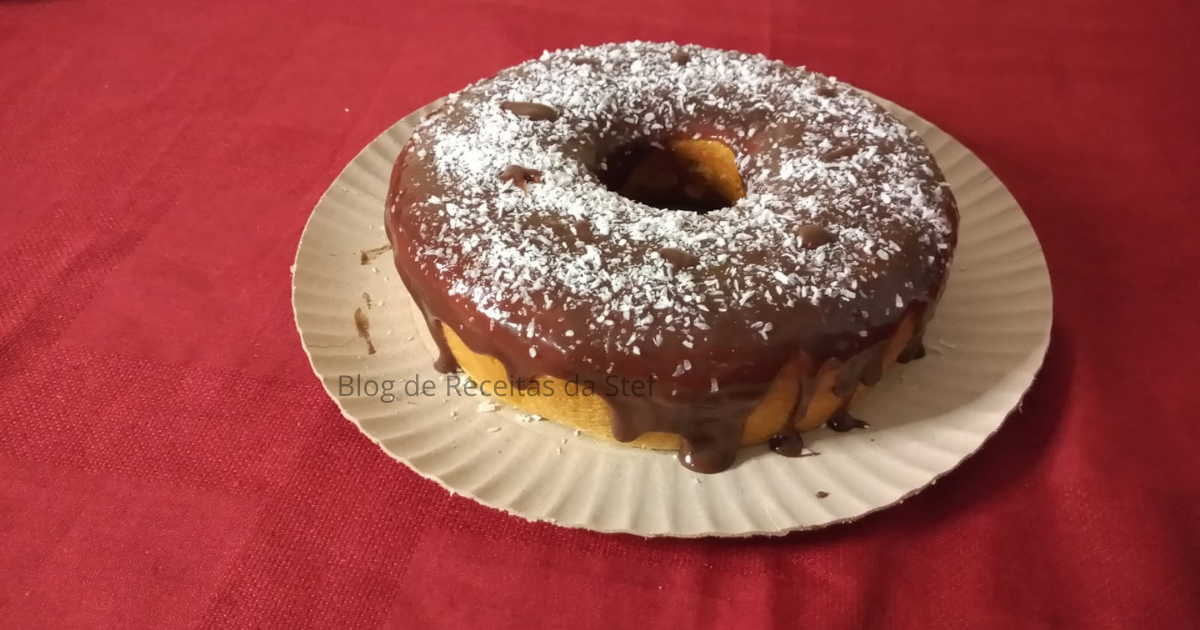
x,y
697,175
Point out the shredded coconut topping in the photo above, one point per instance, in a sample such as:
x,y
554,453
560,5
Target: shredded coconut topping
x,y
569,244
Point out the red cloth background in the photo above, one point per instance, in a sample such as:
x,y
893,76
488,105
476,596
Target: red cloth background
x,y
168,460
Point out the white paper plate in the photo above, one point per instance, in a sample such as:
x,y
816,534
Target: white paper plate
x,y
985,346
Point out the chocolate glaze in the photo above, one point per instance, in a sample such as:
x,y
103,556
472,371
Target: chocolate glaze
x,y
787,443
815,236
732,367
532,111
912,352
678,258
839,153
915,348
518,176
843,422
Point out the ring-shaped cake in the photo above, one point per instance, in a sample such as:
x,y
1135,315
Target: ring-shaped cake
x,y
726,248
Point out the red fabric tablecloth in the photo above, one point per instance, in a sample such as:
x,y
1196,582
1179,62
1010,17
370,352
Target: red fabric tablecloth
x,y
168,460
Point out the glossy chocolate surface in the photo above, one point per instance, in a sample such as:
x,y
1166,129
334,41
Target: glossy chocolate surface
x,y
845,231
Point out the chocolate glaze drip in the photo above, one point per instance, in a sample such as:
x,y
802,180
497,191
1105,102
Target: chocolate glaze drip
x,y
363,326
865,368
368,255
842,422
732,367
912,352
445,361
915,348
787,443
